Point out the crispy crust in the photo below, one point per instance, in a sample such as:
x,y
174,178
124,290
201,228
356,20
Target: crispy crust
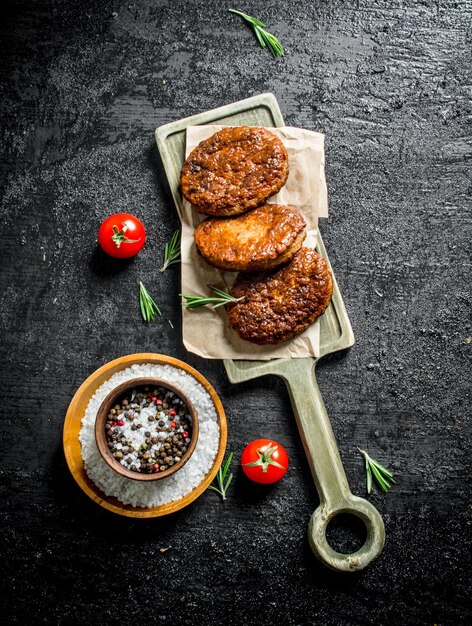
x,y
234,170
259,240
281,304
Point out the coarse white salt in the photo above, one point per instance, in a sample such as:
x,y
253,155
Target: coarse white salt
x,y
165,490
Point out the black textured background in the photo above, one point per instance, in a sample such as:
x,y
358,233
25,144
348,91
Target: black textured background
x,y
84,86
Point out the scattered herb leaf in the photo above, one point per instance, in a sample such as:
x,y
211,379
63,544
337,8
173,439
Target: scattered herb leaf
x,y
382,475
147,305
222,486
265,39
171,251
219,299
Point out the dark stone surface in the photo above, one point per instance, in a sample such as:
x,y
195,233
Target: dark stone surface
x,y
85,85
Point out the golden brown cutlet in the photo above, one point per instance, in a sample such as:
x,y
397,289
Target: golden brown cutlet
x,y
234,170
280,304
258,240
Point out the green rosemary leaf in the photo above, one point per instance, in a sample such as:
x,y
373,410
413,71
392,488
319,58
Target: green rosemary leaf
x,y
221,303
220,299
382,469
251,20
153,307
265,39
228,461
228,482
368,474
383,476
260,39
222,487
171,251
380,480
142,306
147,305
193,302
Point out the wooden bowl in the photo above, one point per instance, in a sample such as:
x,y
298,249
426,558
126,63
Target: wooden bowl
x,y
73,425
112,399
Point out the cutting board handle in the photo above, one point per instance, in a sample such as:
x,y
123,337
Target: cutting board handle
x,y
328,473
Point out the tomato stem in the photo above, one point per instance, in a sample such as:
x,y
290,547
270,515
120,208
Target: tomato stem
x,y
265,459
119,236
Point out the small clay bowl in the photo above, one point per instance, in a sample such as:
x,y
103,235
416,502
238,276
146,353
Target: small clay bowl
x,y
112,399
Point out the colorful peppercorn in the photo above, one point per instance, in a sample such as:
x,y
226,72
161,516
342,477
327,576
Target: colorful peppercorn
x,y
158,447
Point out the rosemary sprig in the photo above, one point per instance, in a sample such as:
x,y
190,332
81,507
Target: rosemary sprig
x,y
382,475
147,305
221,485
265,39
219,299
171,251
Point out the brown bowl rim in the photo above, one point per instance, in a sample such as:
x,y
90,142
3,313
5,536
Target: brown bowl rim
x,y
100,437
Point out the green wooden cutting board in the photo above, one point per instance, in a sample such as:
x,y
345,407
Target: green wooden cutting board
x,y
299,374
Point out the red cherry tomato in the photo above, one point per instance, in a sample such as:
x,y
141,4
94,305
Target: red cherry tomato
x,y
121,235
264,461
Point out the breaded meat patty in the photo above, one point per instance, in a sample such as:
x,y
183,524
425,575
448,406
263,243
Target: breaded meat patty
x,y
280,304
234,170
258,240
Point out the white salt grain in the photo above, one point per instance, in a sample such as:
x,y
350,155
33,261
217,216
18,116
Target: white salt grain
x,y
164,490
